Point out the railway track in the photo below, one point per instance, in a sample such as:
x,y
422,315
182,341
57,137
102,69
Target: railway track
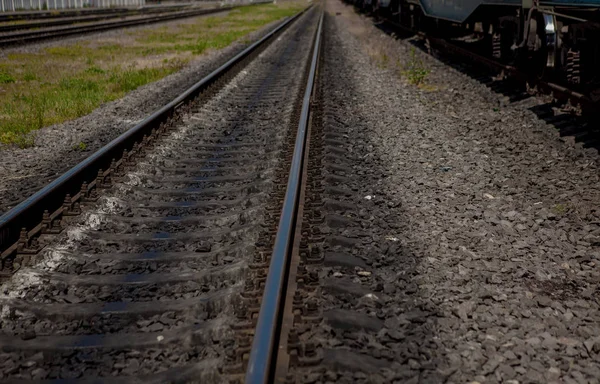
x,y
161,264
7,28
17,38
52,14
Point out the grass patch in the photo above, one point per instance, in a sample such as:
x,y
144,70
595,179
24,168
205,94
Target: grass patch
x,y
80,147
415,71
62,83
6,78
560,209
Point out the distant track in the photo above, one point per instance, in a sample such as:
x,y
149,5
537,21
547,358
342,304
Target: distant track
x,y
59,21
52,14
8,40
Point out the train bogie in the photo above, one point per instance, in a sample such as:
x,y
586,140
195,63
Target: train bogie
x,y
558,39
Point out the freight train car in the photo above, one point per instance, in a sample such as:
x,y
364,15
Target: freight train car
x,y
559,39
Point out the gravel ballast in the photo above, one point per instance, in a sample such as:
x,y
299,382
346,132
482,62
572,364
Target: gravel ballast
x,y
478,227
151,279
24,171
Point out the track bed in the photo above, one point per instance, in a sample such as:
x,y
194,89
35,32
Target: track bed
x,y
148,279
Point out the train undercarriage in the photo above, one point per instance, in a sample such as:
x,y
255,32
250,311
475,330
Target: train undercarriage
x,y
558,43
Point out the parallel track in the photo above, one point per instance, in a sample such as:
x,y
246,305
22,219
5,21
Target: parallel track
x,y
154,269
52,14
81,19
12,39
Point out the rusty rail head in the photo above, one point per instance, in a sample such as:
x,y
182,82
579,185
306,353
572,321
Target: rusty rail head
x,y
29,214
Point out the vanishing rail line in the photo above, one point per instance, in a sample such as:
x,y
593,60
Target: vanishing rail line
x,y
78,19
52,14
11,39
162,254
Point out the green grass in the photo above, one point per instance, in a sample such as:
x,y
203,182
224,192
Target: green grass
x,y
80,147
415,72
6,78
62,83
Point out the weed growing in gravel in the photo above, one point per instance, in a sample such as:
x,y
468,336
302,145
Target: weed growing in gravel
x,y
559,209
384,61
80,147
415,70
64,82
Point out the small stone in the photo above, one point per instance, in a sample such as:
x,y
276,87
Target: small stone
x,y
553,374
360,375
414,364
463,310
395,335
492,363
389,288
568,315
505,370
28,335
500,297
38,373
132,366
28,364
589,344
203,247
520,369
38,356
488,196
544,301
312,378
155,327
568,341
363,273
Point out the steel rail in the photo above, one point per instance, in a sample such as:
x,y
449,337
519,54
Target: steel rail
x,y
28,214
53,14
34,36
77,12
65,21
84,19
266,336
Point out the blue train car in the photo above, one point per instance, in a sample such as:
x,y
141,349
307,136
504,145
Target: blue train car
x,y
460,10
